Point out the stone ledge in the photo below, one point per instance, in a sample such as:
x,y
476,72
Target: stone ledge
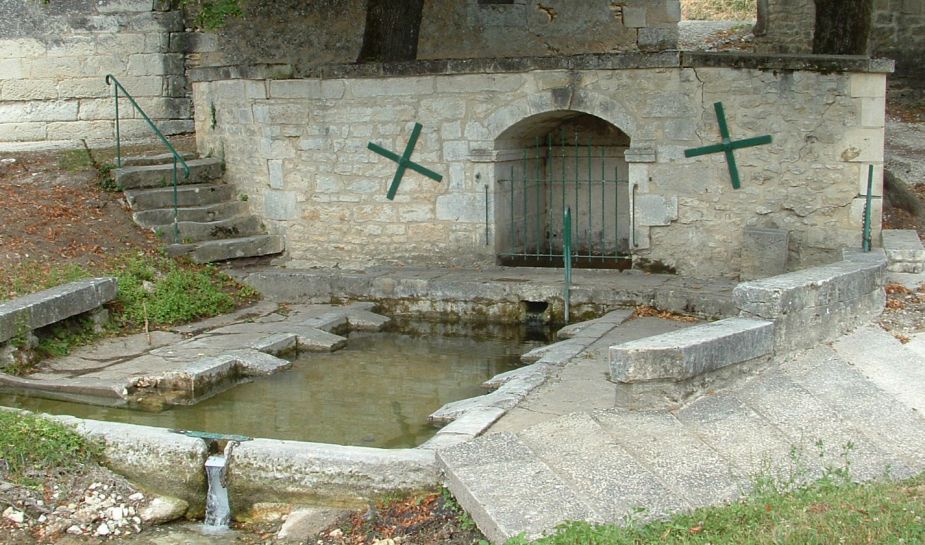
x,y
601,61
53,305
904,251
687,353
811,63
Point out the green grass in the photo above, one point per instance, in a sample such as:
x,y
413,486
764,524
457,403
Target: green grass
x,y
833,510
163,290
75,160
29,443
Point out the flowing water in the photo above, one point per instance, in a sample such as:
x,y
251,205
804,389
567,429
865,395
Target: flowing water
x,y
218,512
378,391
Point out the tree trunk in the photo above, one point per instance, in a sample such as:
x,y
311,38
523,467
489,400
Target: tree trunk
x,y
842,27
391,32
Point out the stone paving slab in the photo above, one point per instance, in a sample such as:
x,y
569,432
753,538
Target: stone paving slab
x,y
220,349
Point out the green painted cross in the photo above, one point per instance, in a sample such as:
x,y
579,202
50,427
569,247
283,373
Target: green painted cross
x,y
728,145
404,162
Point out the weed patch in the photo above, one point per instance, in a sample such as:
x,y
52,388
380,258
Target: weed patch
x,y
30,442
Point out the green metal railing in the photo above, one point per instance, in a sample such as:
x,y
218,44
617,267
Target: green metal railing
x,y
556,174
865,236
177,158
567,258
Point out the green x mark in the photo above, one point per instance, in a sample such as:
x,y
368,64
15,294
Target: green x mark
x,y
728,145
404,162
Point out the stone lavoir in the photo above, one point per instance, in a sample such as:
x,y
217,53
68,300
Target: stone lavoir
x,y
518,141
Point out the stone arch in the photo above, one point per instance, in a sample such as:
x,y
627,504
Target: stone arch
x,y
548,159
580,100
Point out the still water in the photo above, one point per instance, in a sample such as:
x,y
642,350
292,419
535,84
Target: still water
x,y
377,392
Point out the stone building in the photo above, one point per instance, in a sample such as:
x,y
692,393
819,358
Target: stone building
x,y
588,107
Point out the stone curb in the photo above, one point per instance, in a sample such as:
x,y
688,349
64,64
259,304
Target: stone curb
x,y
53,305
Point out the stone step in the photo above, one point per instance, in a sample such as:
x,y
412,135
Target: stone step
x,y
231,248
898,370
904,251
159,159
739,434
889,424
192,231
187,195
822,438
161,175
598,469
213,212
680,460
507,490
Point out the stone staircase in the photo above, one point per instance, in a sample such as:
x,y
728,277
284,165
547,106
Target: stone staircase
x,y
616,465
214,225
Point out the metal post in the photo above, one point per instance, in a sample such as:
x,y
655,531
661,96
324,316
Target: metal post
x,y
567,252
865,243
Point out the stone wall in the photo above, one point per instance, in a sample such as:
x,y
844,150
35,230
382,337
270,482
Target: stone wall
x,y
53,59
899,33
788,27
298,149
306,35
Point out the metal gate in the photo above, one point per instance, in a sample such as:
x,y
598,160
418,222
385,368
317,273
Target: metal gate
x,y
534,191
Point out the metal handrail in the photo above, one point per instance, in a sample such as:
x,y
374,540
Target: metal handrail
x,y
111,80
567,257
866,235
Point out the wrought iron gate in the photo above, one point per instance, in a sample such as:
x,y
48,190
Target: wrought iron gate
x,y
535,189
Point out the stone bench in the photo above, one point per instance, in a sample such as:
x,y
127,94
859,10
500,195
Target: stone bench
x,y
30,312
668,368
904,251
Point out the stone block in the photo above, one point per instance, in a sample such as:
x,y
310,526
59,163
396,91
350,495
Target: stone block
x,y
11,69
456,150
157,42
368,88
463,207
873,112
22,132
120,44
323,472
143,86
53,305
72,46
904,251
307,88
22,48
640,155
634,16
857,212
154,64
764,253
275,173
867,85
862,145
281,205
125,6
691,352
84,88
29,89
54,67
77,130
656,210
18,112
657,38
193,42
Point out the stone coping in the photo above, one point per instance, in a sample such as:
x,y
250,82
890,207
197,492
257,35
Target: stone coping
x,y
602,61
30,312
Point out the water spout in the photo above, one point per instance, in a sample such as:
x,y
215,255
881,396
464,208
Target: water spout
x,y
218,511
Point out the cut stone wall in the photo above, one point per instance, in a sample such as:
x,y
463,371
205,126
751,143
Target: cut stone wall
x,y
788,27
306,35
54,57
298,149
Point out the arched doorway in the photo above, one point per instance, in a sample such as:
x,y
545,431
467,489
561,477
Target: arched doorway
x,y
552,161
